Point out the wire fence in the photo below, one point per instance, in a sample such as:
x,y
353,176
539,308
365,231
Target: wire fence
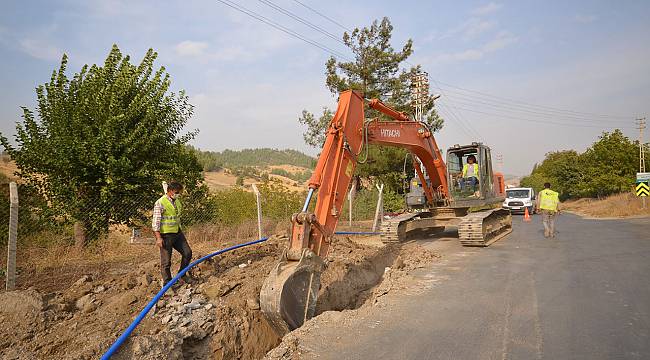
x,y
94,217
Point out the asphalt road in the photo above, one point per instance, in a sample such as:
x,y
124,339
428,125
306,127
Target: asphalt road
x,y
583,295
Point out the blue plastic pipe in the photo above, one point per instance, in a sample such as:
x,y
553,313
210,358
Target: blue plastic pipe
x,y
125,335
355,233
308,200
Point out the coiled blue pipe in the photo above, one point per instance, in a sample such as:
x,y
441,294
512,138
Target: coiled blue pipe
x,y
125,335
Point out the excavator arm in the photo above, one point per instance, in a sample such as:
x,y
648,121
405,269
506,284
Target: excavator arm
x,y
288,296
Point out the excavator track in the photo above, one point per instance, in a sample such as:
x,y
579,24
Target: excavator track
x,y
394,230
484,227
475,229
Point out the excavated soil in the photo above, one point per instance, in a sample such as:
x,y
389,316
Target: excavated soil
x,y
216,317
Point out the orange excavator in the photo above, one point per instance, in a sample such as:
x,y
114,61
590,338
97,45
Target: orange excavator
x,y
439,196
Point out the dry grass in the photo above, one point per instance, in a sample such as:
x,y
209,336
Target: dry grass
x,y
615,206
289,168
220,180
8,167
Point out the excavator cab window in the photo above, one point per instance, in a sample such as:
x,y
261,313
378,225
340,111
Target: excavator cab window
x,y
460,187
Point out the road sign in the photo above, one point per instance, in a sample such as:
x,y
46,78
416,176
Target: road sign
x,y
642,188
644,176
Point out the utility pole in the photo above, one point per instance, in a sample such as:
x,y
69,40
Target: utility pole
x,y
500,163
419,93
641,126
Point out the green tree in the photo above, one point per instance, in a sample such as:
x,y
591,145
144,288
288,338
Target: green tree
x,y
375,72
611,164
607,167
100,142
316,127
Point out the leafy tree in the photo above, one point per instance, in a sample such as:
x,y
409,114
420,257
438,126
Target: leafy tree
x,y
100,142
375,72
316,127
611,164
607,167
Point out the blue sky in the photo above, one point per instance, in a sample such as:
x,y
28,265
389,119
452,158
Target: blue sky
x,y
249,82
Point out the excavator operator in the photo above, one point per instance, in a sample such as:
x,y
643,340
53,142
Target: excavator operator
x,y
470,174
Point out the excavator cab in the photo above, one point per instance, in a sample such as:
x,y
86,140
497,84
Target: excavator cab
x,y
485,187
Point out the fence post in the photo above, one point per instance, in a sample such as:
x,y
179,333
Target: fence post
x,y
259,210
379,212
13,230
350,196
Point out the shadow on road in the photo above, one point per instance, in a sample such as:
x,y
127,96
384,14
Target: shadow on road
x,y
431,235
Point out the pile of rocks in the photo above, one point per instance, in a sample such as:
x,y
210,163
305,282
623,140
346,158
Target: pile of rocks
x,y
186,313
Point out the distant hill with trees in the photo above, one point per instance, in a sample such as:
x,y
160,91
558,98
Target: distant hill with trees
x,y
234,159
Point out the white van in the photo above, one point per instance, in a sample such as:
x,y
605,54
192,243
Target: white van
x,y
518,199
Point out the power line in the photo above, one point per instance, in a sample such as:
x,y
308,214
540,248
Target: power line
x,y
301,20
533,110
466,126
476,135
507,109
523,107
324,16
460,125
535,105
535,121
451,115
463,125
286,30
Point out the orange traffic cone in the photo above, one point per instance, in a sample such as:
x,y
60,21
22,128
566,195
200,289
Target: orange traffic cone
x,y
526,215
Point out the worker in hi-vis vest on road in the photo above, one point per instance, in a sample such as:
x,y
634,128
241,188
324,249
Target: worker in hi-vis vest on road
x,y
548,202
167,227
470,174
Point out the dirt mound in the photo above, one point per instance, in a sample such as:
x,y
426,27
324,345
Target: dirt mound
x,y
216,317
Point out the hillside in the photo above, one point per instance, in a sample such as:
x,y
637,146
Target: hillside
x,y
291,176
223,179
231,159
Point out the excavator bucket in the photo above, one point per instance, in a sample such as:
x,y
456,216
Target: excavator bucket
x,y
288,295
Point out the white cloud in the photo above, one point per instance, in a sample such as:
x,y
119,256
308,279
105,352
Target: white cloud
x,y
468,29
230,53
191,48
40,49
585,19
476,27
486,9
502,40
